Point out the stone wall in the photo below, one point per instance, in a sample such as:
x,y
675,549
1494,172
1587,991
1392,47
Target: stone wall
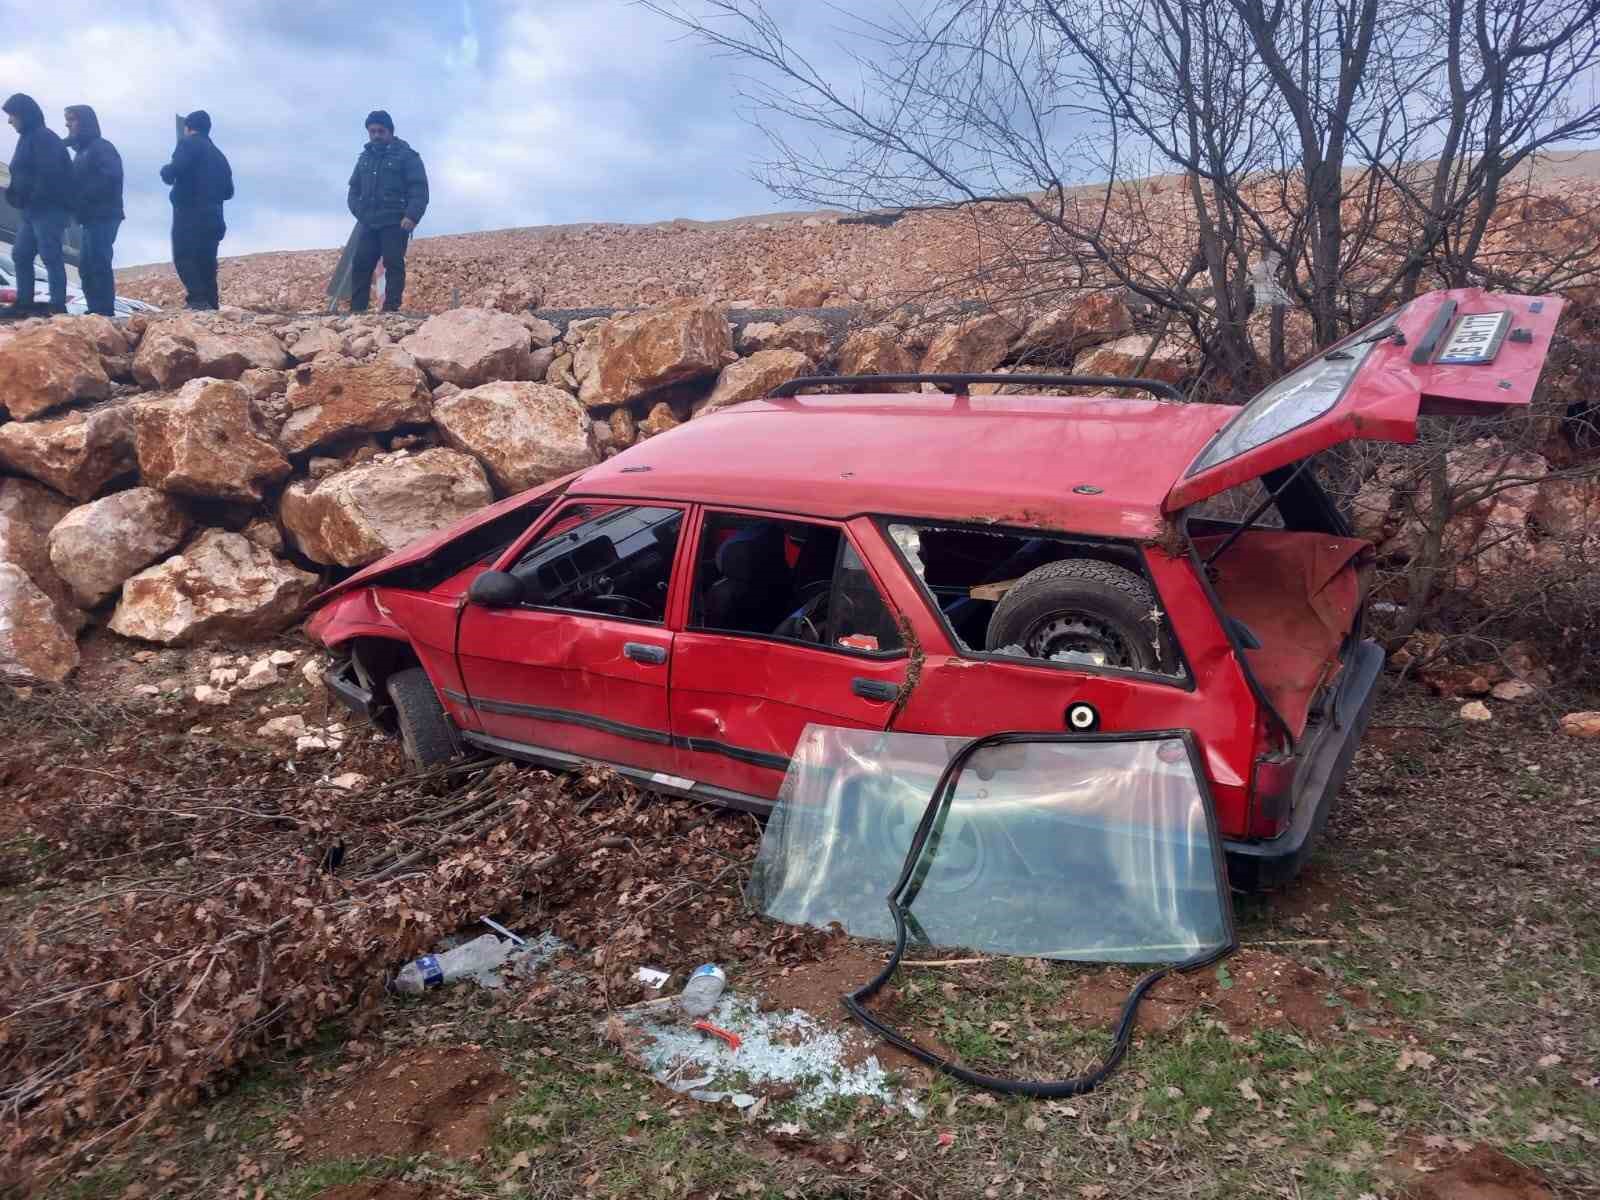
x,y
188,476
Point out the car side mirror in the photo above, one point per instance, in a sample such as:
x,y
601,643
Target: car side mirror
x,y
496,589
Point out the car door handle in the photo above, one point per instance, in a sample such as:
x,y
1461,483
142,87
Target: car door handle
x,y
875,689
641,652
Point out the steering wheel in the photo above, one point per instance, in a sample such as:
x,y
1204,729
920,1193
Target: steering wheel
x,y
813,609
619,600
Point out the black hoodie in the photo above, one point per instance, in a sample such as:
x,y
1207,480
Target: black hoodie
x,y
96,170
41,170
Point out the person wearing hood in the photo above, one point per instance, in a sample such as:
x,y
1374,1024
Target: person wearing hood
x,y
201,181
388,195
41,190
97,203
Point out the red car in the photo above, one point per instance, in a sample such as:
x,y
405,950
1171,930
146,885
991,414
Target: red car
x,y
952,564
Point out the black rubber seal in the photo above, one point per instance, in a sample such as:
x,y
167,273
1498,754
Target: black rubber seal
x,y
904,892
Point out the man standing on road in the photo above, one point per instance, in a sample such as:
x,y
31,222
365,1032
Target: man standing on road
x,y
201,181
97,203
388,195
41,190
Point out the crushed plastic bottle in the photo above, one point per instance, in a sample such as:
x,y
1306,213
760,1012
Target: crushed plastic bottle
x,y
480,955
701,993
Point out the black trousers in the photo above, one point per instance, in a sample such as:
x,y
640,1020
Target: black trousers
x,y
388,242
194,254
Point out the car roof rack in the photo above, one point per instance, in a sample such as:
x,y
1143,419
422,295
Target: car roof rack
x,y
963,383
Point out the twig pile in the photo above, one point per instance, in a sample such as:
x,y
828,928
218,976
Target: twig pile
x,y
225,905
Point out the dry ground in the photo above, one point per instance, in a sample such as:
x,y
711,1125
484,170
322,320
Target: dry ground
x,y
1419,1015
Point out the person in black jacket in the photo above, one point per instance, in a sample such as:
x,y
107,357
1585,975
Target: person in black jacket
x,y
97,203
41,189
201,181
388,195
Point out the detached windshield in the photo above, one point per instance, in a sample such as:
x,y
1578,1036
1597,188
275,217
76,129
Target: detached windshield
x,y
1096,850
1302,395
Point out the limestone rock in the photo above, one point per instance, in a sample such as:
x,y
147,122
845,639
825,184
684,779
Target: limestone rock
x,y
28,512
806,334
192,346
658,420
624,428
207,441
33,645
98,545
753,377
78,454
1512,689
102,331
48,366
318,342
291,726
358,515
1581,724
222,585
972,346
541,333
1058,335
264,532
560,373
1168,363
539,362
333,400
640,352
524,434
469,346
877,350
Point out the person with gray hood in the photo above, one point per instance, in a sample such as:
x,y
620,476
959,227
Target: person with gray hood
x,y
97,203
41,190
388,195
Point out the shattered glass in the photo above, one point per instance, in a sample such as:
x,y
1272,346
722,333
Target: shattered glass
x,y
1094,849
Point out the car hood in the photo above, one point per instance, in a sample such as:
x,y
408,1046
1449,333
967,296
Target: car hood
x,y
421,550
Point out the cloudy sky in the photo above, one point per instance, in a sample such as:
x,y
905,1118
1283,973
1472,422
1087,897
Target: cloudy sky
x,y
527,112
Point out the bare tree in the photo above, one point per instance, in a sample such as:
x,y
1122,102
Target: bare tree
x,y
1362,147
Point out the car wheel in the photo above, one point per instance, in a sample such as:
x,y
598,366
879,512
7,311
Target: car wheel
x,y
885,827
425,731
1080,610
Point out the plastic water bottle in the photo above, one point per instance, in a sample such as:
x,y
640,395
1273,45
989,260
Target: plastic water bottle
x,y
700,994
435,970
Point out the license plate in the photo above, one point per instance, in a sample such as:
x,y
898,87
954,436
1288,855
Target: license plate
x,y
1475,338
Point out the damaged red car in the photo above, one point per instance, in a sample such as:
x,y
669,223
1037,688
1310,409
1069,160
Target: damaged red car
x,y
942,563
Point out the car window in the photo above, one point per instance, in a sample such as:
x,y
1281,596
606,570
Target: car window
x,y
1040,596
615,560
1306,393
791,580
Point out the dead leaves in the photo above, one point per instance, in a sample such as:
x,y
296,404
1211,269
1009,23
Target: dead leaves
x,y
1409,1058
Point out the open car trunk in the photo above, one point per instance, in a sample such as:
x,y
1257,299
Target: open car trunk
x,y
1462,352
1297,594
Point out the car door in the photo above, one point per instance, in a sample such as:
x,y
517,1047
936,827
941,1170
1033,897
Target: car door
x,y
785,627
1462,352
582,664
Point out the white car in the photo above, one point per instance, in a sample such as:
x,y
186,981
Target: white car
x,y
76,303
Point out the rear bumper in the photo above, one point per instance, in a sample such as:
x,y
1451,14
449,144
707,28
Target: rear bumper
x,y
342,682
1255,866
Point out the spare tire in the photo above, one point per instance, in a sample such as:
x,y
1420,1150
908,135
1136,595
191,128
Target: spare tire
x,y
1080,610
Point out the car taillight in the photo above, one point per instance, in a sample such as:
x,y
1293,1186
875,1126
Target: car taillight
x,y
9,295
1271,795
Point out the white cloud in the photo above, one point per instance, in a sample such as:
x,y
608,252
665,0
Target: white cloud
x,y
564,110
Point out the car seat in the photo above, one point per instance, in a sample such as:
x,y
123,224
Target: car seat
x,y
754,590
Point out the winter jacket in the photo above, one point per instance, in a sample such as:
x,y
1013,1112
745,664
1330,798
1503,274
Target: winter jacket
x,y
200,176
389,182
41,169
96,171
